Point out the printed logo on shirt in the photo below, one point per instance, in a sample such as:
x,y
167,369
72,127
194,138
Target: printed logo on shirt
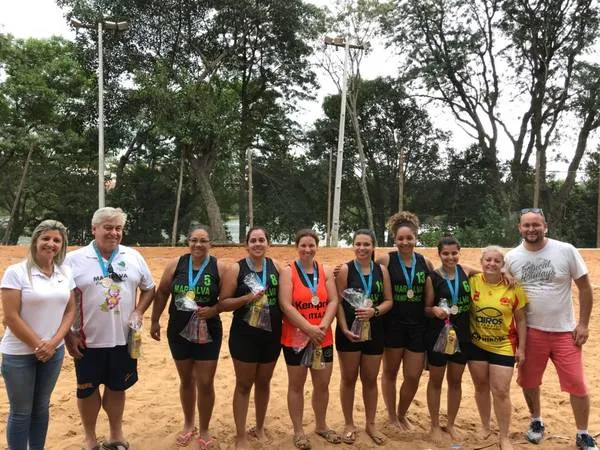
x,y
489,317
540,269
122,265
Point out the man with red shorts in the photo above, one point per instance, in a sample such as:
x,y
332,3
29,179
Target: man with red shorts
x,y
545,267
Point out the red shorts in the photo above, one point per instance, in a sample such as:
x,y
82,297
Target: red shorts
x,y
565,355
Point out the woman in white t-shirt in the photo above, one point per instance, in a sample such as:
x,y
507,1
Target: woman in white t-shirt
x,y
39,308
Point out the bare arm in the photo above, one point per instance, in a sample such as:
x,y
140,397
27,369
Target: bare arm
x,y
470,271
520,318
333,301
146,297
387,302
227,302
11,305
586,301
430,309
384,259
160,298
341,282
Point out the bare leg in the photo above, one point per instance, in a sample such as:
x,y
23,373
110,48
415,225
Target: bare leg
x,y
500,377
204,372
369,369
392,357
245,374
187,392
262,393
480,375
434,392
412,370
349,365
89,408
581,410
295,396
454,379
320,396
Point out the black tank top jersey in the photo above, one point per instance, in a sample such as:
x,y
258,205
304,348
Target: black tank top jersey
x,y
207,290
407,310
355,282
272,288
441,290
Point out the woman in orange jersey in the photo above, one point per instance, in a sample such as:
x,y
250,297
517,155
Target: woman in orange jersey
x,y
308,300
498,330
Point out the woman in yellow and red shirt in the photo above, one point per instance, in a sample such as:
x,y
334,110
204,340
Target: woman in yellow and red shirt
x,y
308,300
498,330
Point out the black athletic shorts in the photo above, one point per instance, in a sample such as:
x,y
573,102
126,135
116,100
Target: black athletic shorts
x,y
293,359
478,354
402,335
251,345
182,349
438,359
110,366
373,346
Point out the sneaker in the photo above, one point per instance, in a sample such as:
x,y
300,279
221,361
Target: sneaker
x,y
535,434
585,442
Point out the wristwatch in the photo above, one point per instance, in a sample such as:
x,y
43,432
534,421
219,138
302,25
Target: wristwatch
x,y
376,311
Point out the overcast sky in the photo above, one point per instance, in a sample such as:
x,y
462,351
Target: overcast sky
x,y
43,18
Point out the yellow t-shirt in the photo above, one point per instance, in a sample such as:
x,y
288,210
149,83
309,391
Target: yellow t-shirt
x,y
493,325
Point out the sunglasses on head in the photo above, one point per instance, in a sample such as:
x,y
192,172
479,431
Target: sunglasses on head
x,y
113,275
539,211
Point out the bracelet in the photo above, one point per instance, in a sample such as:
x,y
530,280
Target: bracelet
x,y
376,311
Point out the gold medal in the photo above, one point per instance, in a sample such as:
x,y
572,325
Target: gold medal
x,y
410,293
454,310
105,282
191,295
315,300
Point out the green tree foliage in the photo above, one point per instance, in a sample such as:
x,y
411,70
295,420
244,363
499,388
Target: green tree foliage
x,y
44,107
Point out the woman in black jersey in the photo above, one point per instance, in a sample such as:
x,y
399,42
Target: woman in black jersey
x,y
373,279
196,276
449,282
404,326
254,350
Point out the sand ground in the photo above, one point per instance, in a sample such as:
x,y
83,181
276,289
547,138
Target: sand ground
x,y
153,415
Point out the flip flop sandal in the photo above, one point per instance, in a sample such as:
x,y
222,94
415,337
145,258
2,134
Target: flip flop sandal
x,y
206,444
301,442
349,437
184,439
377,438
330,436
117,445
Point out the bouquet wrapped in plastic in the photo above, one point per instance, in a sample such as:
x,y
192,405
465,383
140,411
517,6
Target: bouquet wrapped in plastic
x,y
357,299
299,340
447,342
196,330
313,357
258,314
134,338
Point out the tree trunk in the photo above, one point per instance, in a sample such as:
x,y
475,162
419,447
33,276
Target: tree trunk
x,y
15,206
363,163
217,227
177,201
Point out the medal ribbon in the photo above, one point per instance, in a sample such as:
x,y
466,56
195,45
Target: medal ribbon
x,y
193,281
104,267
262,282
453,289
409,281
313,287
367,286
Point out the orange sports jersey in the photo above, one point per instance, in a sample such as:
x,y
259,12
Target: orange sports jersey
x,y
493,324
301,300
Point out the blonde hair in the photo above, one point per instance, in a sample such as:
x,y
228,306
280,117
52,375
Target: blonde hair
x,y
403,219
44,226
492,248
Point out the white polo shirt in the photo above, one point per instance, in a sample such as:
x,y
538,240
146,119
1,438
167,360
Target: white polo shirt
x,y
103,311
43,303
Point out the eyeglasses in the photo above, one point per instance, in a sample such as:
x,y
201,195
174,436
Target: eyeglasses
x,y
114,275
539,211
195,241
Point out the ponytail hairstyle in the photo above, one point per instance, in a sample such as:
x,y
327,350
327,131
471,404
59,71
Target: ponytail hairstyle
x,y
306,232
447,240
366,232
255,228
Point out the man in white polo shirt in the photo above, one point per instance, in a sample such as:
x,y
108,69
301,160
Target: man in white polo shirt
x,y
107,276
546,268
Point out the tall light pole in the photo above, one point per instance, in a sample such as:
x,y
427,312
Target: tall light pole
x,y
335,227
116,26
